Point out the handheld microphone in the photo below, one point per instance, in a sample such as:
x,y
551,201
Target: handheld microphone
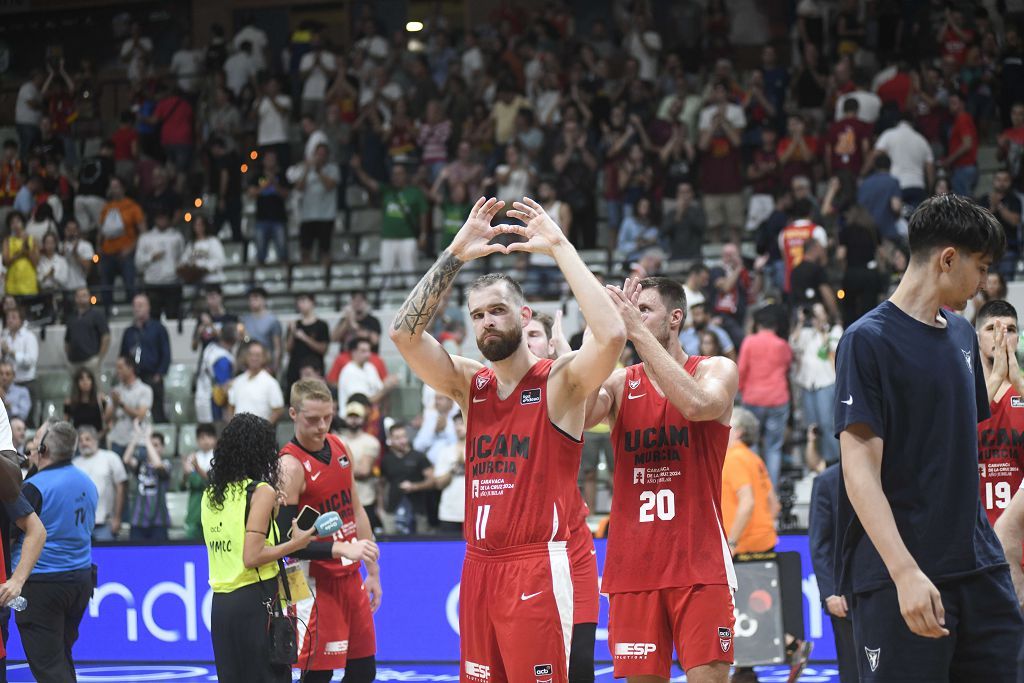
x,y
327,523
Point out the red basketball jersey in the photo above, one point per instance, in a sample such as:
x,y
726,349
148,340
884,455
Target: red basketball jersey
x,y
665,529
792,241
520,467
328,487
1001,453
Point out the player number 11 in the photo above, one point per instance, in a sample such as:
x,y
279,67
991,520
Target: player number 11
x,y
662,503
997,495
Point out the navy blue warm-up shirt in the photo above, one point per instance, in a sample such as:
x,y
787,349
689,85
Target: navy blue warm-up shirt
x,y
922,390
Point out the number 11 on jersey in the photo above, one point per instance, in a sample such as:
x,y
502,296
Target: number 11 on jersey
x,y
483,513
662,503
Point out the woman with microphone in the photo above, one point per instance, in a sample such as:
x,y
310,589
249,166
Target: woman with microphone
x,y
243,543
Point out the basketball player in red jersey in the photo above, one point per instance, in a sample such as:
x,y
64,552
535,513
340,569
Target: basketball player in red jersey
x,y
335,625
1001,436
524,420
543,342
668,567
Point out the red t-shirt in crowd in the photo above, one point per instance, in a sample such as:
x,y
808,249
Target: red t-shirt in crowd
x,y
764,369
846,138
800,163
954,45
720,167
123,138
895,90
175,115
963,126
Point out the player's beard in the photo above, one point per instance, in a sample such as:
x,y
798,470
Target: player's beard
x,y
501,348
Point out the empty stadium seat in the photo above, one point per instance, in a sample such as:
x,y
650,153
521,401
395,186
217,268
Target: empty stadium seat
x,y
186,439
54,386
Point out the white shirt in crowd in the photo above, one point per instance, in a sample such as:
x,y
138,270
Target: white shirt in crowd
x,y
273,125
73,252
870,105
909,152
258,38
239,69
208,254
135,66
187,65
733,114
645,48
6,436
452,507
315,85
52,272
364,446
106,470
316,138
809,345
157,255
357,380
259,395
22,352
23,113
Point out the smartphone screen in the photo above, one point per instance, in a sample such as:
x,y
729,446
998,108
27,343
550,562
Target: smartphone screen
x,y
306,519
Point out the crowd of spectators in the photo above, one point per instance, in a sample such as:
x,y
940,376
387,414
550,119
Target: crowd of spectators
x,y
770,158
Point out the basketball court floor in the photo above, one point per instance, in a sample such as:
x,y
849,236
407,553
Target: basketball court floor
x,y
404,673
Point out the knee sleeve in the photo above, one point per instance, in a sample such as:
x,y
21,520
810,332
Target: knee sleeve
x,y
362,670
581,656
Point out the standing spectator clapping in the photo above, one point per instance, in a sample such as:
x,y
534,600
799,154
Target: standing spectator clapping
x,y
130,402
107,472
255,390
318,204
156,260
204,256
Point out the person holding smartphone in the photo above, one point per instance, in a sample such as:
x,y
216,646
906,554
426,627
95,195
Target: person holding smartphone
x,y
244,545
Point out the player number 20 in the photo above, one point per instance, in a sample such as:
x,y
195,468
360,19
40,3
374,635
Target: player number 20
x,y
662,504
997,495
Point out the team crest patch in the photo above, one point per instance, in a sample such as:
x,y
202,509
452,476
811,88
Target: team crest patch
x,y
725,638
344,461
634,383
481,381
873,657
305,463
529,397
1017,401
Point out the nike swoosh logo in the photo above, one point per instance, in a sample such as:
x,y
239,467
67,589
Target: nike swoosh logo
x,y
593,552
848,401
478,400
314,477
524,596
632,396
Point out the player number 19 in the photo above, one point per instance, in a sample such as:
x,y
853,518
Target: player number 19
x,y
997,495
662,503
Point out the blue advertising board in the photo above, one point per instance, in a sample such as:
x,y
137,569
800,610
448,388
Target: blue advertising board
x,y
153,604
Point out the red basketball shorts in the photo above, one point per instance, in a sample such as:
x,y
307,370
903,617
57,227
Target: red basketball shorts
x,y
643,627
335,624
515,614
585,584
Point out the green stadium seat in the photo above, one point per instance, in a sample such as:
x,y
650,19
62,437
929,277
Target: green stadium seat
x,y
181,412
179,375
186,439
54,386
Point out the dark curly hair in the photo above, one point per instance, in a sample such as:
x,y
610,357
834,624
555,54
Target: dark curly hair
x,y
247,449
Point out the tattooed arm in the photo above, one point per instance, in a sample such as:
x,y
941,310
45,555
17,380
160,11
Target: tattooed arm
x,y
428,359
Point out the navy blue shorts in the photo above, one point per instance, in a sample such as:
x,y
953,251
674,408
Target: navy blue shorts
x,y
985,630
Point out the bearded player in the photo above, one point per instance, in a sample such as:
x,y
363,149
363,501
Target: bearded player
x,y
670,428
545,340
524,422
335,624
1000,446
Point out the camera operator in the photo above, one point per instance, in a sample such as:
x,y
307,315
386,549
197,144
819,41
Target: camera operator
x,y
59,588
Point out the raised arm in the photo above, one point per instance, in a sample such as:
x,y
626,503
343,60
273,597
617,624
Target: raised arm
x,y
708,395
447,374
919,599
575,375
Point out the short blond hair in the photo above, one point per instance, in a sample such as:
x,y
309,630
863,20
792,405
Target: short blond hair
x,y
312,389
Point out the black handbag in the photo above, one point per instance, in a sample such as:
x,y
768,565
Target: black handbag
x,y
284,646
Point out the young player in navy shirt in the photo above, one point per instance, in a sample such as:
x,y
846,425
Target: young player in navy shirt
x,y
932,595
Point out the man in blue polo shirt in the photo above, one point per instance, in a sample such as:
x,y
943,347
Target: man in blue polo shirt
x,y
59,588
932,598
